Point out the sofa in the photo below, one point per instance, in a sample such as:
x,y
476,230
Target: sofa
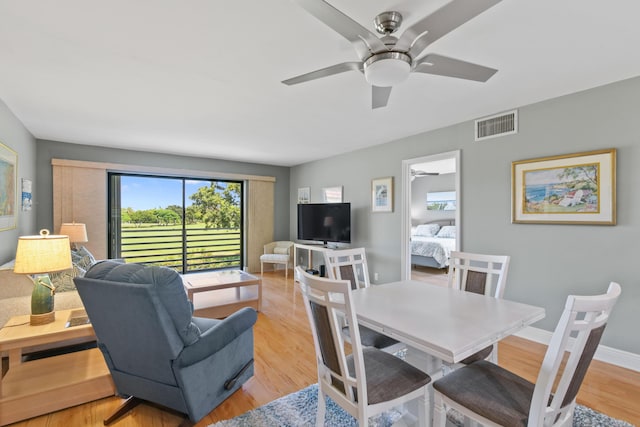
x,y
15,295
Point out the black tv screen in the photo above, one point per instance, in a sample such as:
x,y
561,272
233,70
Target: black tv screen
x,y
324,222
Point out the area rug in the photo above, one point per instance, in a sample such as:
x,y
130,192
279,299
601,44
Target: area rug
x,y
299,409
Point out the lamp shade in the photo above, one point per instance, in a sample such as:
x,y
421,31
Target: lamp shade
x,y
76,231
42,254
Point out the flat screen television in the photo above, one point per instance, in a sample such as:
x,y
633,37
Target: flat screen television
x,y
324,222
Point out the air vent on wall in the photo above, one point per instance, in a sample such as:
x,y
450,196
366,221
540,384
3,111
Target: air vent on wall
x,y
497,125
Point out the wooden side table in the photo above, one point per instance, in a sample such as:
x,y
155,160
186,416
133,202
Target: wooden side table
x,y
38,387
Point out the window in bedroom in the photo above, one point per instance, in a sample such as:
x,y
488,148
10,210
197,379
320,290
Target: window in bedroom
x,y
441,201
183,223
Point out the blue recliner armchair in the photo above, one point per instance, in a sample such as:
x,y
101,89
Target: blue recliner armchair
x,y
155,349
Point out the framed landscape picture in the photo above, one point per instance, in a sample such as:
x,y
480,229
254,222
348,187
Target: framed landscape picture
x,y
382,195
8,187
575,188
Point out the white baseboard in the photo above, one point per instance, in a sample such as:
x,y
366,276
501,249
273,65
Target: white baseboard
x,y
605,354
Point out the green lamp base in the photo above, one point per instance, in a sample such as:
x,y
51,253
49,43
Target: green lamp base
x,y
42,301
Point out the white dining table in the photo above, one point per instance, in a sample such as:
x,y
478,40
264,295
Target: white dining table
x,y
439,326
446,323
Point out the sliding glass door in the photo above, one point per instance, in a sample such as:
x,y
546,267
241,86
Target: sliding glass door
x,y
183,223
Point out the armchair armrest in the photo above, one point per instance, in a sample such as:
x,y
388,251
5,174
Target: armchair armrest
x,y
216,338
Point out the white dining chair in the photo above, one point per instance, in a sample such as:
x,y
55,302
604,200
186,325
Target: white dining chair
x,y
364,381
481,274
493,396
351,265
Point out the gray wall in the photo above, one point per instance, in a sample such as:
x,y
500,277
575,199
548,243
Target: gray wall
x,y
47,150
14,135
419,189
548,261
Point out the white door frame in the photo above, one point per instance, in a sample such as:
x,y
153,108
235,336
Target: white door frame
x,y
406,205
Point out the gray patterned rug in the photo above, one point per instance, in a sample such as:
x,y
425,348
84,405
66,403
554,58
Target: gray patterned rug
x,y
299,409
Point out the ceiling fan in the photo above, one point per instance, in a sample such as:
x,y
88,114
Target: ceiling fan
x,y
388,60
420,174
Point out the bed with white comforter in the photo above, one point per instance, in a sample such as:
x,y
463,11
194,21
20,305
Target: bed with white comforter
x,y
431,245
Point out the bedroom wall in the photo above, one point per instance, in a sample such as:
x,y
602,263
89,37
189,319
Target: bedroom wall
x,y
47,150
548,261
419,189
15,136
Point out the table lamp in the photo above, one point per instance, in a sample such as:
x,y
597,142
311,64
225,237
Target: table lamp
x,y
76,231
37,256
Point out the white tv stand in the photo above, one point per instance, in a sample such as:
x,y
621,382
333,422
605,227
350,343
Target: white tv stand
x,y
310,248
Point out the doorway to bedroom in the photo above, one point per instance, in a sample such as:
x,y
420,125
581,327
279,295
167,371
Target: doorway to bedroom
x,y
431,217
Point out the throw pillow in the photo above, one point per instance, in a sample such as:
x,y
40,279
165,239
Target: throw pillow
x,y
448,231
82,258
63,280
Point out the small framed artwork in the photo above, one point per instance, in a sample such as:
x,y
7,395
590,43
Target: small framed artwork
x,y
304,195
332,195
575,188
27,200
8,187
382,194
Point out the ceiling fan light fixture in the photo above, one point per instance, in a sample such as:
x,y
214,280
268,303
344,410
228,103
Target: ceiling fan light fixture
x,y
387,69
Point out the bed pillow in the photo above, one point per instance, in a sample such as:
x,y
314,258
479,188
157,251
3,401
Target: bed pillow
x,y
448,231
427,230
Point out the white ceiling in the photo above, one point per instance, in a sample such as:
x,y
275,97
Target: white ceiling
x,y
202,78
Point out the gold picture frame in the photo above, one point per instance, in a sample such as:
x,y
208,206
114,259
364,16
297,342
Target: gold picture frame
x,y
578,188
382,194
8,187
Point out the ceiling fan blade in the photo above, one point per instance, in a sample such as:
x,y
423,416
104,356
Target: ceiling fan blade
x,y
430,28
380,96
364,41
324,72
450,67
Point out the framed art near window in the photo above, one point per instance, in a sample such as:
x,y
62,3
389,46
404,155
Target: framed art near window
x,y
382,194
575,188
8,187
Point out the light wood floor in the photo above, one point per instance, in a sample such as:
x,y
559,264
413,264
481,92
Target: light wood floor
x,y
285,363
